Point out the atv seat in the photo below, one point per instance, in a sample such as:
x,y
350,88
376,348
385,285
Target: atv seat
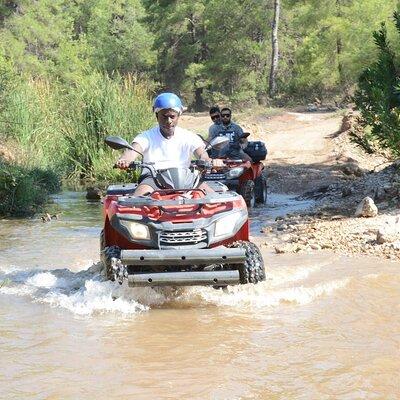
x,y
121,190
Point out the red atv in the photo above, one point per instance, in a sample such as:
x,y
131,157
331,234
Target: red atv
x,y
244,177
178,235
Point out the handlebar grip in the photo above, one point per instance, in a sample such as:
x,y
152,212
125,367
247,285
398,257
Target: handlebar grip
x,y
134,164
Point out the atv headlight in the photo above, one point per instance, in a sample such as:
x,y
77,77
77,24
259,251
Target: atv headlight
x,y
227,224
234,173
136,230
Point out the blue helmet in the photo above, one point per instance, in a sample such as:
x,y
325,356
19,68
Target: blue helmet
x,y
167,100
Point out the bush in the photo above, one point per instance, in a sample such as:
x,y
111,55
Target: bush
x,y
378,99
24,191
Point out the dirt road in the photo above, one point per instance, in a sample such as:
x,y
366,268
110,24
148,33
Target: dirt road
x,y
301,151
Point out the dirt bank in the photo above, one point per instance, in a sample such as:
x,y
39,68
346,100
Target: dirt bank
x,y
311,156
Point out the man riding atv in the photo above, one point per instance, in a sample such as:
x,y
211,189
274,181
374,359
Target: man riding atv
x,y
169,231
166,145
235,134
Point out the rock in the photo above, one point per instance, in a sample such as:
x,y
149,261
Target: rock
x,y
315,246
285,249
93,193
286,238
46,217
348,122
366,208
351,169
390,232
396,245
280,249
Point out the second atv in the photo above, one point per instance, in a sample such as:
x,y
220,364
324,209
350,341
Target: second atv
x,y
247,178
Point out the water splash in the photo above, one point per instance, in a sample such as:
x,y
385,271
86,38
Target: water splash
x,y
87,292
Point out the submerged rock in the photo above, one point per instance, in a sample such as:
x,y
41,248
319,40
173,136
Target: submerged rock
x,y
93,193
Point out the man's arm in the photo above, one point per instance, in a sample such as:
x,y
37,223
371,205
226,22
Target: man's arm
x,y
202,154
128,156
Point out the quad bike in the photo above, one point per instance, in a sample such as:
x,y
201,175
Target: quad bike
x,y
178,235
245,177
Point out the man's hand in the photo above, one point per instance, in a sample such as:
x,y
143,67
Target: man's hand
x,y
128,156
122,163
217,162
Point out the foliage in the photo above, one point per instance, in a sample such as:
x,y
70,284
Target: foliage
x,y
334,42
23,190
378,99
65,39
99,107
64,128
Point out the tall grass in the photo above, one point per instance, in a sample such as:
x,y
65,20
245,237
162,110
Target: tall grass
x,y
63,126
59,130
103,106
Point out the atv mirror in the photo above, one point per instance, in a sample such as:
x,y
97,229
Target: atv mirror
x,y
117,143
218,142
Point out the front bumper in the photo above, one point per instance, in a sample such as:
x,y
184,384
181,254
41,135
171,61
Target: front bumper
x,y
183,259
193,278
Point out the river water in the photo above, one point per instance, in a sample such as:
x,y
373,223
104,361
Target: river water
x,y
320,327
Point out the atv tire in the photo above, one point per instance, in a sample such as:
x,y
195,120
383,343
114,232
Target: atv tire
x,y
106,253
252,271
261,189
247,191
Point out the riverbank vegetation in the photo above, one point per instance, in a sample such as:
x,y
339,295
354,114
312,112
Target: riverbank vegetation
x,y
73,72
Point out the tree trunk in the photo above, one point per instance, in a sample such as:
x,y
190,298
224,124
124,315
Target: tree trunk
x,y
198,104
339,45
275,50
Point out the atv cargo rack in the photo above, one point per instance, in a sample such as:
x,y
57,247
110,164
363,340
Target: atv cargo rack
x,y
131,201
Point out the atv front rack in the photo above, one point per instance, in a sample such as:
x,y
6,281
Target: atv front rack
x,y
217,197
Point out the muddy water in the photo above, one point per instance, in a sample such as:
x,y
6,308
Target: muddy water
x,y
320,327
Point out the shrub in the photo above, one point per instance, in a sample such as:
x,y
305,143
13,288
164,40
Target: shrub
x,y
378,99
24,191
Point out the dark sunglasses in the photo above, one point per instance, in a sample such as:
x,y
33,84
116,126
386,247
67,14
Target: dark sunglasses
x,y
225,115
216,116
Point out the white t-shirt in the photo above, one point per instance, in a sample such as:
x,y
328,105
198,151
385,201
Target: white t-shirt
x,y
176,151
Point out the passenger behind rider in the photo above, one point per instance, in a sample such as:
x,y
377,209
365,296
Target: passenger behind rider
x,y
215,115
166,145
233,132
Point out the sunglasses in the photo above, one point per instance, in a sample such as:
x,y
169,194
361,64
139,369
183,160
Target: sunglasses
x,y
216,116
225,115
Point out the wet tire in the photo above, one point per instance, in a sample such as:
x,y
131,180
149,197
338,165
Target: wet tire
x,y
252,271
106,253
247,192
261,189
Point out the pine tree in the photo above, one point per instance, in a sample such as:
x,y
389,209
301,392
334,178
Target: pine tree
x,y
378,98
